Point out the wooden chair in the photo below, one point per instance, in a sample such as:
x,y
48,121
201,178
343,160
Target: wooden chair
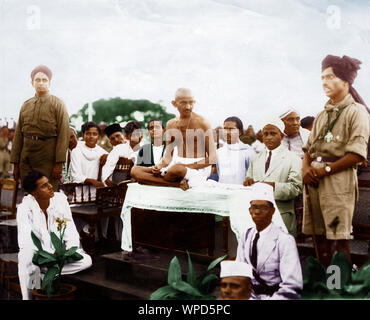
x,y
8,199
90,204
9,272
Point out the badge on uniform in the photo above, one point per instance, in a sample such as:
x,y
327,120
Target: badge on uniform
x,y
328,137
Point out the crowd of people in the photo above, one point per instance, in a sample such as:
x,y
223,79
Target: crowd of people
x,y
286,158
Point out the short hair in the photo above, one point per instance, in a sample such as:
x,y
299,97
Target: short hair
x,y
183,92
152,120
307,121
87,125
237,121
131,126
29,181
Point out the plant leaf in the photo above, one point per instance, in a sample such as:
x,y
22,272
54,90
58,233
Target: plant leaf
x,y
340,259
57,243
186,288
191,276
164,293
71,251
48,280
215,262
314,272
36,241
206,282
174,271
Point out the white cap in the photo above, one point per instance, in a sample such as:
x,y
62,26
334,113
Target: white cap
x,y
274,121
235,269
287,111
262,191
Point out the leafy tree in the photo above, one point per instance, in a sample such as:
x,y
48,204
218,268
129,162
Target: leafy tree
x,y
121,111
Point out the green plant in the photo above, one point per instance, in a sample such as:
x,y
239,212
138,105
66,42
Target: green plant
x,y
353,285
52,264
194,288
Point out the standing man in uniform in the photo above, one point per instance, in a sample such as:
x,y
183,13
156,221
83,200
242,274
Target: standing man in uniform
x,y
336,145
42,133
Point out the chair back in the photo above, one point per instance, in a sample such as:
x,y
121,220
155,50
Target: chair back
x,y
79,193
122,170
8,198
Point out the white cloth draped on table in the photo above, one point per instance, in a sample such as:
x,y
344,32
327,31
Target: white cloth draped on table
x,y
212,197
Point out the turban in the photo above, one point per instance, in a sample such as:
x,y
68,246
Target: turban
x,y
231,268
345,68
43,69
115,127
274,121
287,111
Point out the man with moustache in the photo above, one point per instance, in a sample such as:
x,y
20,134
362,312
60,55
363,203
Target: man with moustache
x,y
272,253
42,132
280,168
150,154
336,146
190,149
294,135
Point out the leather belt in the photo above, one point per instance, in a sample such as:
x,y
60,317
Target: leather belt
x,y
37,137
325,159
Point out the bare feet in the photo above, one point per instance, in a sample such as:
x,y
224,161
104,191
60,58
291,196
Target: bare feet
x,y
184,185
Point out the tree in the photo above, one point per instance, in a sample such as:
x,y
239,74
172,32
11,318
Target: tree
x,y
117,110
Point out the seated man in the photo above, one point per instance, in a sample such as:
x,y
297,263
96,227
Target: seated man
x,y
270,251
150,154
134,134
73,141
295,137
280,168
121,148
192,137
37,213
234,157
235,282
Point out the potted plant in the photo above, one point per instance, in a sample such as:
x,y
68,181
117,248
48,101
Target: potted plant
x,y
353,284
194,288
52,265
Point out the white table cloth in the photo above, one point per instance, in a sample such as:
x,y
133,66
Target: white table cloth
x,y
212,197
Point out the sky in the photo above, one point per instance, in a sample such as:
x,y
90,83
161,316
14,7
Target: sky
x,y
245,58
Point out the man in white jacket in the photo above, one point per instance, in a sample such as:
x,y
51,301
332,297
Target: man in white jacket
x,y
270,251
37,213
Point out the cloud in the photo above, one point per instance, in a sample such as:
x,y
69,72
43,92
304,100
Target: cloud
x,y
242,58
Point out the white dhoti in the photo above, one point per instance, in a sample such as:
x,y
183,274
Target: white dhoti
x,y
194,177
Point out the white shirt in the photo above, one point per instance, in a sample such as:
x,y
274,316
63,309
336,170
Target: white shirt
x,y
263,235
157,153
30,217
233,162
85,165
121,150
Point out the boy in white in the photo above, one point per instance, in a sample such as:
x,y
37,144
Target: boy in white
x,y
37,213
234,157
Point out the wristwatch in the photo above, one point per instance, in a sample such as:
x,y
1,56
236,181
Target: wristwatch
x,y
327,169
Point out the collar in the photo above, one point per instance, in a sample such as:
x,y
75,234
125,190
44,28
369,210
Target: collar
x,y
236,146
265,231
276,150
43,98
347,100
293,136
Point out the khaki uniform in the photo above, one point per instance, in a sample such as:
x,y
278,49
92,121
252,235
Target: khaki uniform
x,y
44,117
4,158
333,202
